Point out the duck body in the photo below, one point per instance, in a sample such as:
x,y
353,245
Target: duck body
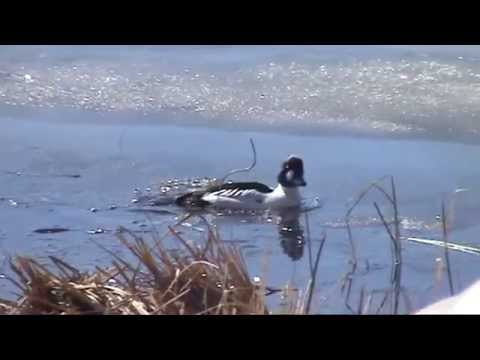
x,y
252,195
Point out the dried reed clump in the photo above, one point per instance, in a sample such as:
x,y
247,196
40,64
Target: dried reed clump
x,y
195,280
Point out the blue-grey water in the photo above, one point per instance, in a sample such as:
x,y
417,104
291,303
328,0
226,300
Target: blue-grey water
x,y
126,117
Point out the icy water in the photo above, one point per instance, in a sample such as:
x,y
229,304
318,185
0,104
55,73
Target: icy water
x,y
408,91
83,127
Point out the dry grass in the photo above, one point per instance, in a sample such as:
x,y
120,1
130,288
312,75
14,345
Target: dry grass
x,y
211,279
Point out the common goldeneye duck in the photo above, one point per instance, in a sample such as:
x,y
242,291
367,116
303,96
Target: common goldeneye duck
x,y
252,195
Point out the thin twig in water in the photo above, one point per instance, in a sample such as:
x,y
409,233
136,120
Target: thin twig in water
x,y
314,275
397,256
447,257
382,218
398,249
236,171
396,261
310,260
364,305
348,282
395,209
368,303
383,302
361,195
360,301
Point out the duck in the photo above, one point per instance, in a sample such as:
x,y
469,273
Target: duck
x,y
252,195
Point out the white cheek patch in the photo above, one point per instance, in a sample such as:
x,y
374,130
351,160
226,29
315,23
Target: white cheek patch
x,y
290,175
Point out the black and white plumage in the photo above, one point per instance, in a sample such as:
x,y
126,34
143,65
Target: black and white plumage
x,y
252,195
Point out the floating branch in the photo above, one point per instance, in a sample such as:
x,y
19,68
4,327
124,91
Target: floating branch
x,y
451,246
236,171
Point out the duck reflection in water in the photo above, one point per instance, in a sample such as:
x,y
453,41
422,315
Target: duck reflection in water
x,y
291,233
